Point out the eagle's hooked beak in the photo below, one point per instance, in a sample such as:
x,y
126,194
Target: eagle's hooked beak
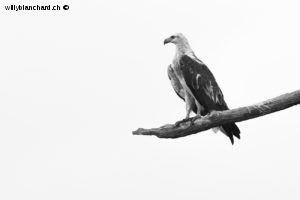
x,y
168,40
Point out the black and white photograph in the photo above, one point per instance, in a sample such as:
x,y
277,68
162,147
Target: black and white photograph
x,y
149,100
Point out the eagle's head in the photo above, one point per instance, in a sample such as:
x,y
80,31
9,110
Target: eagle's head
x,y
177,39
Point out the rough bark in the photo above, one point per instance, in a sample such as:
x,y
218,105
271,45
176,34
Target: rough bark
x,y
218,118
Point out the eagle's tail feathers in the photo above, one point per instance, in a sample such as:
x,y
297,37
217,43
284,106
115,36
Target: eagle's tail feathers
x,y
231,130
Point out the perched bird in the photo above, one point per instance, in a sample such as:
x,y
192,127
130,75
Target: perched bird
x,y
195,84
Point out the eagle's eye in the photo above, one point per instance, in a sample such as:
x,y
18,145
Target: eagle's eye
x,y
172,37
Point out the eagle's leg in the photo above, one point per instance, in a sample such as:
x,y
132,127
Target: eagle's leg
x,y
188,108
198,114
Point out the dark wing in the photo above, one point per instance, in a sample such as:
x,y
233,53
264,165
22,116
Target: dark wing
x,y
204,87
202,84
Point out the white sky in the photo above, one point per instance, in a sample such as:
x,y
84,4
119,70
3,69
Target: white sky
x,y
74,85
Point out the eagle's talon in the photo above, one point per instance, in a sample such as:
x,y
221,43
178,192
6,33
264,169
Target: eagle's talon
x,y
195,118
182,121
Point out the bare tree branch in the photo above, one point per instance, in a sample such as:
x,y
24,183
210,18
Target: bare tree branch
x,y
218,118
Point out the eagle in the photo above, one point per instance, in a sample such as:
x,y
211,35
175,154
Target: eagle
x,y
195,84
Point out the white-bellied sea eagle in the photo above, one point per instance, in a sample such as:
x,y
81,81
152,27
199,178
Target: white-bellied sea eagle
x,y
195,84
